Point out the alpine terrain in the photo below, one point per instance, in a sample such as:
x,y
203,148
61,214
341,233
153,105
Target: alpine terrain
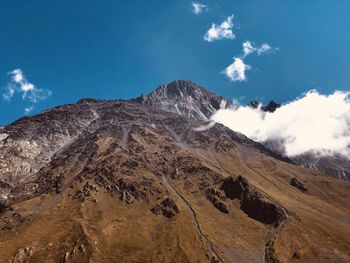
x,y
152,180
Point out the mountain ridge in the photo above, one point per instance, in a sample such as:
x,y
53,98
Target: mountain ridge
x,y
104,181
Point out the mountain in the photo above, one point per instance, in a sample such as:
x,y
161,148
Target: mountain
x,y
193,101
185,98
121,181
337,166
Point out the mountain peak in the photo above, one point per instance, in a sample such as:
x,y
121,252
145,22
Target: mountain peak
x,y
181,88
185,98
272,106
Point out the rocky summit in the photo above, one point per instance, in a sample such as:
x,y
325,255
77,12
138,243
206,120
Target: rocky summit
x,y
148,180
185,98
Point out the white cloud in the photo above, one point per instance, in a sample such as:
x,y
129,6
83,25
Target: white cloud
x,y
313,123
222,31
250,48
264,48
19,84
198,8
29,109
236,70
17,75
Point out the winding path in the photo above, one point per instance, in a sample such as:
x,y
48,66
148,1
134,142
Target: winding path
x,y
214,255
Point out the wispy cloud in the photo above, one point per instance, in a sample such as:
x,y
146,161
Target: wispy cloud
x,y
28,91
247,48
198,8
312,123
29,109
250,48
222,31
236,70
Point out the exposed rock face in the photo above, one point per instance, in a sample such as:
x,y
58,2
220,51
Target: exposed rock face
x,y
217,197
85,191
260,208
22,255
270,107
31,142
185,98
2,207
297,184
167,207
254,204
5,190
78,252
337,166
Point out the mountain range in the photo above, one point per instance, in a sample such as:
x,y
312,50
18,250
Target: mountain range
x,y
190,100
152,179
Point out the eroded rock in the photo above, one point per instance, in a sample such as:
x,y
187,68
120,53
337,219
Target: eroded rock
x,y
2,208
22,255
297,184
167,207
85,191
217,197
253,203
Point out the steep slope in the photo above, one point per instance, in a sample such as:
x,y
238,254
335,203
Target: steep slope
x,y
337,166
134,183
185,98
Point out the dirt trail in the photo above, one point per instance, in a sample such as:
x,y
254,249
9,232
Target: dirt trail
x,y
269,251
214,255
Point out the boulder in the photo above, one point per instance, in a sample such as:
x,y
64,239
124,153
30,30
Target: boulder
x,y
297,184
22,255
167,208
217,197
85,191
253,203
2,208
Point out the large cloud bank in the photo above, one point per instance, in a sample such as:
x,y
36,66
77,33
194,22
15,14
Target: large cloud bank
x,y
312,123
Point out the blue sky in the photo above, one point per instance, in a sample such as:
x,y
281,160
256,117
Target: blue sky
x,y
119,49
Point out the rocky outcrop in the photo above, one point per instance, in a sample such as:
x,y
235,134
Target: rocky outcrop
x,y
185,98
218,199
130,190
85,191
337,165
2,208
167,208
272,106
78,252
29,143
297,184
253,203
22,255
